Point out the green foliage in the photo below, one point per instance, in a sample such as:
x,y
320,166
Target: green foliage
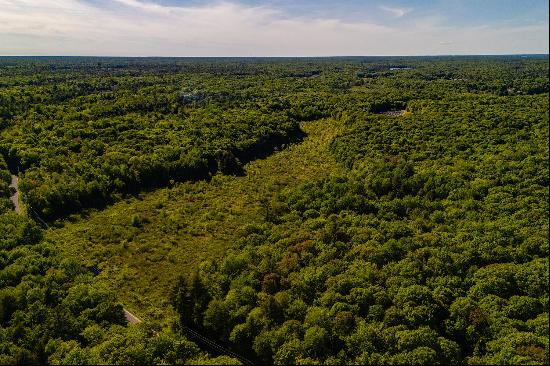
x,y
423,252
409,227
134,345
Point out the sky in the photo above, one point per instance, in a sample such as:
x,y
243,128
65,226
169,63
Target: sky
x,y
272,27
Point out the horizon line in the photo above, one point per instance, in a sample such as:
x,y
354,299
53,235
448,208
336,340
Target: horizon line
x,y
294,56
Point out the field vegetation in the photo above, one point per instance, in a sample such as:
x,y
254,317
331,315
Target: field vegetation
x,y
296,211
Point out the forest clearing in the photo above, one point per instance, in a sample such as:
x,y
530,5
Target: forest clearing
x,y
350,210
212,214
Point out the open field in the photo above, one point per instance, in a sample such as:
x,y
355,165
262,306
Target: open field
x,y
183,225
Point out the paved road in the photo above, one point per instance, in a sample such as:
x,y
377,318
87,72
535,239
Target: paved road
x,y
131,317
15,196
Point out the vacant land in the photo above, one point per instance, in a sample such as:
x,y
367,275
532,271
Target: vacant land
x,y
143,244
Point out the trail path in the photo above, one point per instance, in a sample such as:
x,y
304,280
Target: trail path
x,y
14,186
188,223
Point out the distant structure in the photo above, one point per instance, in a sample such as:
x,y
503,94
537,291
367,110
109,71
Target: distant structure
x,y
190,97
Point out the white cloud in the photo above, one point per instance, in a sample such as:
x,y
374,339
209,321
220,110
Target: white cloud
x,y
143,28
152,7
395,11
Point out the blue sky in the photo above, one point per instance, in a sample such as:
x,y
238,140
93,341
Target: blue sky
x,y
272,27
459,12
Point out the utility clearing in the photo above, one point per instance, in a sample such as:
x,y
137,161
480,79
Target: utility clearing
x,y
143,244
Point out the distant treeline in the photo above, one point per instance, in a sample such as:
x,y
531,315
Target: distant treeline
x,y
83,131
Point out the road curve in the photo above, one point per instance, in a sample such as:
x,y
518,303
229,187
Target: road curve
x,y
131,318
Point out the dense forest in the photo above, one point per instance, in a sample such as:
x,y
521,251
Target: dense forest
x,y
359,210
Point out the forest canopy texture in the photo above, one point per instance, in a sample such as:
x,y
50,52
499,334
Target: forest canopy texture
x,y
426,243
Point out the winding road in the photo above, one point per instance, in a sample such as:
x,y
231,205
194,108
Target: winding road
x,y
14,188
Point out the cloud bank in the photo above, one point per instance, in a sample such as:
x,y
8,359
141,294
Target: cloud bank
x,y
145,28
